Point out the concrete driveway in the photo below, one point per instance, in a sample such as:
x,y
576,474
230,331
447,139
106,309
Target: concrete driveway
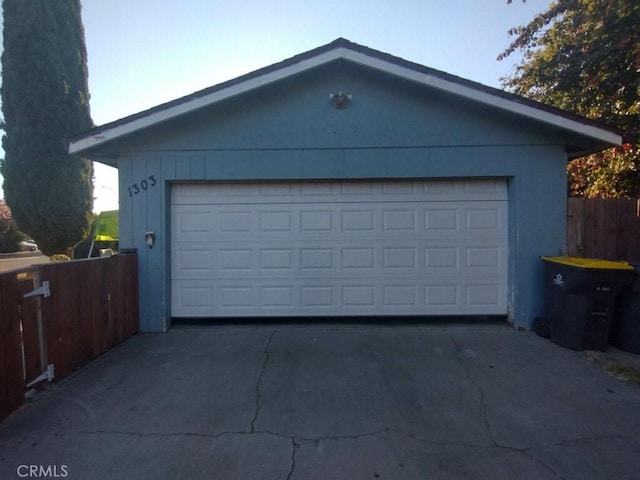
x,y
331,401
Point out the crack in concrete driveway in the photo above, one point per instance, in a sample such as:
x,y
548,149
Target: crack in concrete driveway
x,y
259,381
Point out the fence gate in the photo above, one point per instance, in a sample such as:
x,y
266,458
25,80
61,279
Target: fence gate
x,y
43,321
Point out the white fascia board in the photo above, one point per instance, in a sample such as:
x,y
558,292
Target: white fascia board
x,y
356,57
486,98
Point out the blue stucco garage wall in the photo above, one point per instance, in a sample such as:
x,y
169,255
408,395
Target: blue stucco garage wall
x,y
391,129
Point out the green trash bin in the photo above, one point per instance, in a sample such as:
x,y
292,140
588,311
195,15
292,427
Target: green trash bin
x,y
580,299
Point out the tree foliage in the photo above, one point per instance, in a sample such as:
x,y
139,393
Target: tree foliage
x,y
584,56
44,100
10,235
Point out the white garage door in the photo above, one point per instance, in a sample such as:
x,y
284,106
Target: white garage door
x,y
339,248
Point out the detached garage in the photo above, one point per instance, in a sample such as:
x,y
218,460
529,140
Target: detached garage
x,y
343,182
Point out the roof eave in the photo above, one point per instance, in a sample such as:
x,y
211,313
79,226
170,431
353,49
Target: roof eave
x,y
344,50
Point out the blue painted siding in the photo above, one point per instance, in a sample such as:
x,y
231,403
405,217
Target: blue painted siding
x,y
392,130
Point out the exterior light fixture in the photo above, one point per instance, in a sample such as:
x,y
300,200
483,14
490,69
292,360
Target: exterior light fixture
x,y
151,239
340,99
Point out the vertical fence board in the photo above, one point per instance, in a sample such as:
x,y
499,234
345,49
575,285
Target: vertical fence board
x,y
122,311
609,239
129,271
30,330
55,311
618,212
589,229
11,370
86,318
575,227
632,229
99,307
5,407
625,227
598,219
116,308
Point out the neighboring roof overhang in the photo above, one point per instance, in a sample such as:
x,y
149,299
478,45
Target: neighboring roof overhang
x,y
341,49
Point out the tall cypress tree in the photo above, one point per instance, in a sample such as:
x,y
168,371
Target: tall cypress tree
x,y
44,100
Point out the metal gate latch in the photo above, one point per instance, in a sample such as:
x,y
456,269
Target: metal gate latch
x,y
43,290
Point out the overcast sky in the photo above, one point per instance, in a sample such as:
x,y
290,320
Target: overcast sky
x,y
145,52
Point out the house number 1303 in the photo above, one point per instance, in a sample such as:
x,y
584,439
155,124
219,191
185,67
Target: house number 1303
x,y
141,186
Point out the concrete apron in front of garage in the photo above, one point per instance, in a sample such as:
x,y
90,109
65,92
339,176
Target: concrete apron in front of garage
x,y
332,402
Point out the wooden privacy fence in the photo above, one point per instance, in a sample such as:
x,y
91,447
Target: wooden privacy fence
x,y
56,317
604,228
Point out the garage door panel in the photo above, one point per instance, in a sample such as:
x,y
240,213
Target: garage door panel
x,y
194,262
237,298
320,220
404,220
362,248
276,259
328,298
193,222
441,220
356,260
403,297
445,295
478,295
331,192
483,257
235,221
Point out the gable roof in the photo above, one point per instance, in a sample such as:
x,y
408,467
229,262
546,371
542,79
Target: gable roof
x,y
342,49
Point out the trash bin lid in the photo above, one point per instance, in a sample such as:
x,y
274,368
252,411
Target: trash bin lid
x,y
589,263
